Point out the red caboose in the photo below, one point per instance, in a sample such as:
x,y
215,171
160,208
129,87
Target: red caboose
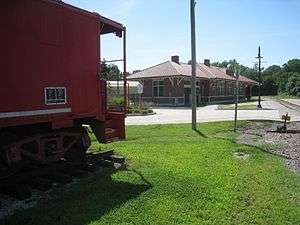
x,y
51,82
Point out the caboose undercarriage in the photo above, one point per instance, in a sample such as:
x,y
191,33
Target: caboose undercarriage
x,y
39,144
19,149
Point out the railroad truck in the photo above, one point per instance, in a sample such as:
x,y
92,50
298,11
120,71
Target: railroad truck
x,y
51,83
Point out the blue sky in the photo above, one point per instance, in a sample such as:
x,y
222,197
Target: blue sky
x,y
225,29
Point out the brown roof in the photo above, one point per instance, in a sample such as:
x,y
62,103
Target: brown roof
x,y
169,68
247,80
164,69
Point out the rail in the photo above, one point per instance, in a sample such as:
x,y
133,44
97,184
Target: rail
x,y
289,105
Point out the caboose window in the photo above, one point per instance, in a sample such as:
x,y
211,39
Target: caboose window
x,y
55,95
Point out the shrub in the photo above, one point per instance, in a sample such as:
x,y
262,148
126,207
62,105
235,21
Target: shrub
x,y
137,109
116,101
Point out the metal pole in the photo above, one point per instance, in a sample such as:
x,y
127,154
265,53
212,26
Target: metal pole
x,y
260,80
237,74
118,85
125,70
193,79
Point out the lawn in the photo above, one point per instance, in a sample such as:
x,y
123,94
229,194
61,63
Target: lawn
x,y
281,96
178,176
241,106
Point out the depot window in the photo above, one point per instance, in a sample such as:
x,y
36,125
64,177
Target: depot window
x,y
231,88
158,88
220,88
55,95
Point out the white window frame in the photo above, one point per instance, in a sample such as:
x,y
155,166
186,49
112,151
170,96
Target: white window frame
x,y
55,103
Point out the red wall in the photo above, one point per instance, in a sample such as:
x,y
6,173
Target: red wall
x,y
44,44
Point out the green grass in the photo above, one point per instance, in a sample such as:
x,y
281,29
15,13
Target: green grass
x,y
179,176
241,106
280,96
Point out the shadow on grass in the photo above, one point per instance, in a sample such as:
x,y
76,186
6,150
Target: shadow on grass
x,y
262,149
200,133
85,203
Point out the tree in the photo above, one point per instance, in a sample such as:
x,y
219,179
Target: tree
x,y
136,71
244,70
110,71
293,85
248,72
292,65
232,62
275,79
269,80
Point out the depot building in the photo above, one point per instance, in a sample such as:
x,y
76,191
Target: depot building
x,y
169,84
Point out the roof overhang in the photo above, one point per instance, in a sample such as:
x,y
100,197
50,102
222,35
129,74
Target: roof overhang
x,y
107,25
110,26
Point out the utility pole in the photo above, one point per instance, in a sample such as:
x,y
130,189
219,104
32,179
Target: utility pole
x,y
259,57
193,79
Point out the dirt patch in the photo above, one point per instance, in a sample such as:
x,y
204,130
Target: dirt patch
x,y
241,155
286,145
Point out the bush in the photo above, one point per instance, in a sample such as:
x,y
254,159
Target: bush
x,y
136,109
116,101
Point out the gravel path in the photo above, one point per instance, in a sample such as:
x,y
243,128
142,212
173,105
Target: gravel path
x,y
286,145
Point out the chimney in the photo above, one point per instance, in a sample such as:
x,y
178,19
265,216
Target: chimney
x,y
207,62
175,59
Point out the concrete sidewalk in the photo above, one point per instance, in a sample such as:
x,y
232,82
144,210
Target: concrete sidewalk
x,y
211,113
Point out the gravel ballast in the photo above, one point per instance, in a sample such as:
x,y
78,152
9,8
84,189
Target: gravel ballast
x,y
287,145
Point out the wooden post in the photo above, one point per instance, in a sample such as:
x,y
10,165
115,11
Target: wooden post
x,y
236,97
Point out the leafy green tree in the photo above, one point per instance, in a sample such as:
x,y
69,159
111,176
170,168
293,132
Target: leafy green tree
x,y
269,80
232,62
293,84
110,71
275,79
244,70
292,65
249,72
136,71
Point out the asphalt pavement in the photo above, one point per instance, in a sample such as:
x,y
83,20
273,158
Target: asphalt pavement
x,y
272,110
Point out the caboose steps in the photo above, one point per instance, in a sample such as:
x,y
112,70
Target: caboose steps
x,y
112,129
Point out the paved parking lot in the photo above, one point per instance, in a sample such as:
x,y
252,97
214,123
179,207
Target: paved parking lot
x,y
274,111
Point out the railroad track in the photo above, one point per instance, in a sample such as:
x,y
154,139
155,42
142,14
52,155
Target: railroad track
x,y
42,178
289,105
